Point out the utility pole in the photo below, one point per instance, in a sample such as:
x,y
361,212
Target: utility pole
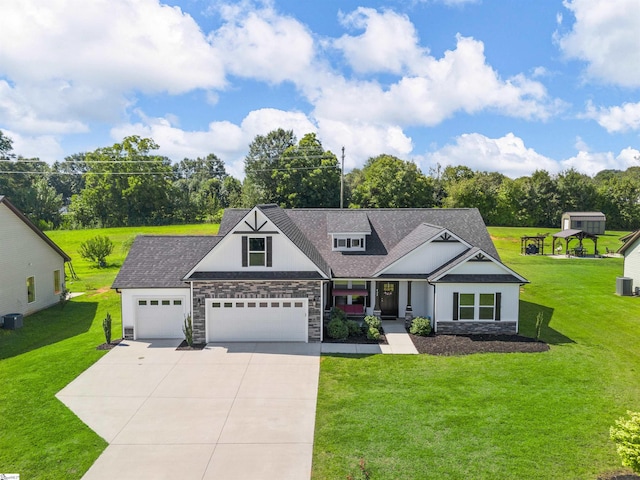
x,y
342,181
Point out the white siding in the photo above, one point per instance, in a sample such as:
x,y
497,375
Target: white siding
x,y
227,255
426,258
509,309
480,268
24,254
632,264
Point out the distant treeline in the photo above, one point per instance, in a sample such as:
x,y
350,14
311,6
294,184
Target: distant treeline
x,y
126,184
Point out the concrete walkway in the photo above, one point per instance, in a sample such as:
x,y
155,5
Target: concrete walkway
x,y
398,340
235,411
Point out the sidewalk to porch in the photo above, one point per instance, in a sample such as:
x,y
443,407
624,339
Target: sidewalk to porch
x,y
398,340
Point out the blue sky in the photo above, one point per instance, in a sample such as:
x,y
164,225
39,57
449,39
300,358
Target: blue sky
x,y
508,86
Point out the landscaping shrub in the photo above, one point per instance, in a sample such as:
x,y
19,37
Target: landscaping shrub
x,y
373,333
338,329
626,435
420,326
354,328
336,313
96,250
187,329
373,321
106,327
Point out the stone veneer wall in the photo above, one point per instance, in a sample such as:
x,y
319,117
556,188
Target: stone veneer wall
x,y
242,289
477,328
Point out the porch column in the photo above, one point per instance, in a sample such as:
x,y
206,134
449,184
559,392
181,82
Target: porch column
x,y
408,313
376,308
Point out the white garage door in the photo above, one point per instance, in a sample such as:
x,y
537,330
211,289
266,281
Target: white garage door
x,y
257,320
160,317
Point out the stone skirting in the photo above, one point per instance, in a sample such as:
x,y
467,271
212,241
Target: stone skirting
x,y
242,289
477,328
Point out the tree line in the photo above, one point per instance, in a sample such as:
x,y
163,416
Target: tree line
x,y
127,184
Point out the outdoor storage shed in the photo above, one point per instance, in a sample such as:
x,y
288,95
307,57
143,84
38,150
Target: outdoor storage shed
x,y
590,222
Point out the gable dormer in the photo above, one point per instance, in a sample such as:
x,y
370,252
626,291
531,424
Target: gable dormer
x,y
348,230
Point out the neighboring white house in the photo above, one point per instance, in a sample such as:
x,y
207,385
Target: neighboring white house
x,y
271,273
631,251
31,265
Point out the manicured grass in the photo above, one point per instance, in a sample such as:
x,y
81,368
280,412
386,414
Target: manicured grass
x,y
39,437
487,416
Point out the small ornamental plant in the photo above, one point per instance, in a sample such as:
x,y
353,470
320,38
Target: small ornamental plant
x,y
626,435
420,326
106,327
187,329
96,250
373,322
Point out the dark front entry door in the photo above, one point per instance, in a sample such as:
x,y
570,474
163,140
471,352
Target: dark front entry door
x,y
388,299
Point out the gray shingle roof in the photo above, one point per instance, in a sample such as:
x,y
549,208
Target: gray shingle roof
x,y
162,261
388,228
348,221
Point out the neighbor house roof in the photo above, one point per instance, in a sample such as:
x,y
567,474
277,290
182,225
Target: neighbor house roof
x,y
629,240
5,201
586,215
162,261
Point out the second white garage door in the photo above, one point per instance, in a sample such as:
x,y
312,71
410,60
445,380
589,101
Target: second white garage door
x,y
257,320
158,317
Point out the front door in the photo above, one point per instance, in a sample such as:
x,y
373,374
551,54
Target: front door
x,y
388,299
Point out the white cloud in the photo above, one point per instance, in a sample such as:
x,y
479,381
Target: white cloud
x,y
460,81
606,35
389,42
507,155
227,140
262,44
71,62
44,147
594,162
616,119
510,156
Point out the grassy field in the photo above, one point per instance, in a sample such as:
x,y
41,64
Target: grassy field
x,y
488,416
484,416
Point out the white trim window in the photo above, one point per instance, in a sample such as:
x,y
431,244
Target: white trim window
x,y
348,243
57,284
257,251
476,306
31,289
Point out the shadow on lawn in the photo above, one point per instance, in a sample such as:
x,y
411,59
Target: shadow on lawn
x,y
528,317
47,327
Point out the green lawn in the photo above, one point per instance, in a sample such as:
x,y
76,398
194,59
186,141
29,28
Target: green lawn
x,y
488,416
538,416
39,437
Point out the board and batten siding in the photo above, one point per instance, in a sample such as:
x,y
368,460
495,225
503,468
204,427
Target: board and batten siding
x,y
510,298
227,255
24,254
426,258
632,263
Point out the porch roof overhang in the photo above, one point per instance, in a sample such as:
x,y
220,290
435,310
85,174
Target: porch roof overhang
x,y
343,292
271,276
479,278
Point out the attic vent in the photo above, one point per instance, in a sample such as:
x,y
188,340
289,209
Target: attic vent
x,y
480,258
446,237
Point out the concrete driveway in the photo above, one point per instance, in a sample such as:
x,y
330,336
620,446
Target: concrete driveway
x,y
233,411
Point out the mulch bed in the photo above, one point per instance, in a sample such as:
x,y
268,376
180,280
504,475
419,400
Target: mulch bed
x,y
360,339
109,346
623,475
185,346
447,345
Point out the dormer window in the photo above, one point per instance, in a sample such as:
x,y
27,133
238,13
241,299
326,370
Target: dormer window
x,y
348,243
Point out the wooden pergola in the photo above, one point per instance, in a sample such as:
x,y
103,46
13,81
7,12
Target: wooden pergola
x,y
532,244
571,234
